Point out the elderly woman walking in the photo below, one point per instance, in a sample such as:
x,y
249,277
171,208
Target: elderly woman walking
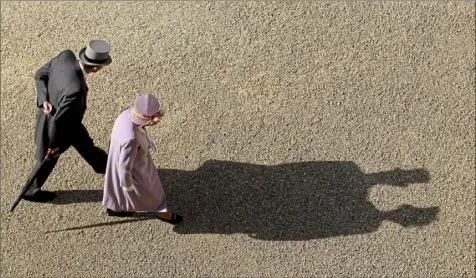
x,y
132,183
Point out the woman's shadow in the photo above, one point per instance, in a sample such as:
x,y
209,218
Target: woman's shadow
x,y
295,201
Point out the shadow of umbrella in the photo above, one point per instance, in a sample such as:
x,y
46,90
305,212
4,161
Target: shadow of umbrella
x,y
136,218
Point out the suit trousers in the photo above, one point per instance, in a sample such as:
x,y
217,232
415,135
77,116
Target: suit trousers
x,y
82,142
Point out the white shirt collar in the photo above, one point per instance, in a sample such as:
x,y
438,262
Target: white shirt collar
x,y
82,69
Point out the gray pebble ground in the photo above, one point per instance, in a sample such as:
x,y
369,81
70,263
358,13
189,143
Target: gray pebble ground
x,y
276,112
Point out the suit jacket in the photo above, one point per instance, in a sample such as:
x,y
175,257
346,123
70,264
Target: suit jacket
x,y
61,82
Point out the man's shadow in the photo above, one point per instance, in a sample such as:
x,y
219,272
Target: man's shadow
x,y
294,201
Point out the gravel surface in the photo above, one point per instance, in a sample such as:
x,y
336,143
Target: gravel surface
x,y
285,124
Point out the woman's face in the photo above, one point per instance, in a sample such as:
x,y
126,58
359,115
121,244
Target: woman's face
x,y
155,119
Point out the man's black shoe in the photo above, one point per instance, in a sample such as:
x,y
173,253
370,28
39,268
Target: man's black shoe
x,y
40,196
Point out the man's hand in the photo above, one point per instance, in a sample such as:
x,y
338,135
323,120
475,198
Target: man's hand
x,y
47,107
51,152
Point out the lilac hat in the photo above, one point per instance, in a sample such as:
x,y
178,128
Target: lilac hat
x,y
145,107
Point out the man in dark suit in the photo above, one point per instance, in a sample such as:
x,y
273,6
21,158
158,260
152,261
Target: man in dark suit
x,y
61,101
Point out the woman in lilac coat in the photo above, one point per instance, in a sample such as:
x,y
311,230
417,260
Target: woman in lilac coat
x,y
132,183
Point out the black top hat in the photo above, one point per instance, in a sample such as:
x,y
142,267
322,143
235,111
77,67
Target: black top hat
x,y
96,54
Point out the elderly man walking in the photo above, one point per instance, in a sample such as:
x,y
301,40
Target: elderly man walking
x,y
61,101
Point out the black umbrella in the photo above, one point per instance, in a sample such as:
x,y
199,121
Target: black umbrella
x,y
32,177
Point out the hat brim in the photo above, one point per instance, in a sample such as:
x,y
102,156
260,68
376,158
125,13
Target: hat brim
x,y
135,120
86,62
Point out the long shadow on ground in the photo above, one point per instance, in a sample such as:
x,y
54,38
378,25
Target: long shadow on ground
x,y
294,201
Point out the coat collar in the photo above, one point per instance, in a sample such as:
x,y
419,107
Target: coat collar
x,y
82,69
81,74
